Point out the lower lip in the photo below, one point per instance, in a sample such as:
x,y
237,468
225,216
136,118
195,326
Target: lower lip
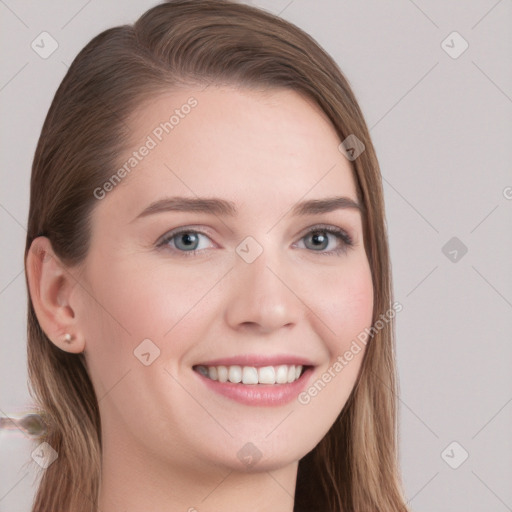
x,y
260,394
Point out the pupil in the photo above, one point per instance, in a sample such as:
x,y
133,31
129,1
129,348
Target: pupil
x,y
319,238
188,239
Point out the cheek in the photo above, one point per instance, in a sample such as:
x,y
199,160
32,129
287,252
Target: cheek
x,y
356,303
347,310
344,303
139,300
129,302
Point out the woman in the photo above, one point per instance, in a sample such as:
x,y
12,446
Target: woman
x,y
210,311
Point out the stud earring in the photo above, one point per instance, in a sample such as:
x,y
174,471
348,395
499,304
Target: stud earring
x,y
68,338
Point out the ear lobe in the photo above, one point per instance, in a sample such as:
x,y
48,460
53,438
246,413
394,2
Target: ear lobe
x,y
51,285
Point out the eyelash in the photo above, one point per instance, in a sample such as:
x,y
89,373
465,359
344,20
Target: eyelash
x,y
343,237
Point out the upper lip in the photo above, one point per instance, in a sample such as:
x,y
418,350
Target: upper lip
x,y
258,360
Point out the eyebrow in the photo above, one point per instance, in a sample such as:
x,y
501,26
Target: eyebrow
x,y
221,207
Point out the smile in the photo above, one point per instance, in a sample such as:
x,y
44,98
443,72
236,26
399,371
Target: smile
x,y
251,375
264,385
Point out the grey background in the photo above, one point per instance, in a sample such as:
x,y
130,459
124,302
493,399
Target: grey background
x,y
442,129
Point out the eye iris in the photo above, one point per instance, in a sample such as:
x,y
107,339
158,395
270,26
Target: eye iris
x,y
319,237
189,239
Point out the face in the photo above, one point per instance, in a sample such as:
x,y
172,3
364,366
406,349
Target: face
x,y
254,280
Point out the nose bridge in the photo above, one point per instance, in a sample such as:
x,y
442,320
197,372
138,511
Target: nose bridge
x,y
262,294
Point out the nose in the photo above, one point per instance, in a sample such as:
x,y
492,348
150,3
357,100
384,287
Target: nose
x,y
262,298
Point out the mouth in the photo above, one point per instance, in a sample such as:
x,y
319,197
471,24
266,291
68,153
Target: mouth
x,y
253,375
256,380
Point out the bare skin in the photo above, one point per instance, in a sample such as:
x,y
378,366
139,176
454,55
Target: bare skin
x,y
171,443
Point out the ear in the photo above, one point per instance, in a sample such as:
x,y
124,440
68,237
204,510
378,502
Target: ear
x,y
51,286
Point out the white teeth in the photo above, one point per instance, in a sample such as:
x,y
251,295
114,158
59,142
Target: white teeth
x,y
236,374
267,375
282,374
249,375
222,373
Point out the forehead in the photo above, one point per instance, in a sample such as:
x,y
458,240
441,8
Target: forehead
x,y
251,147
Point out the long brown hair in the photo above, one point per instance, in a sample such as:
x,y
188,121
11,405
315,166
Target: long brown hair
x,y
185,42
